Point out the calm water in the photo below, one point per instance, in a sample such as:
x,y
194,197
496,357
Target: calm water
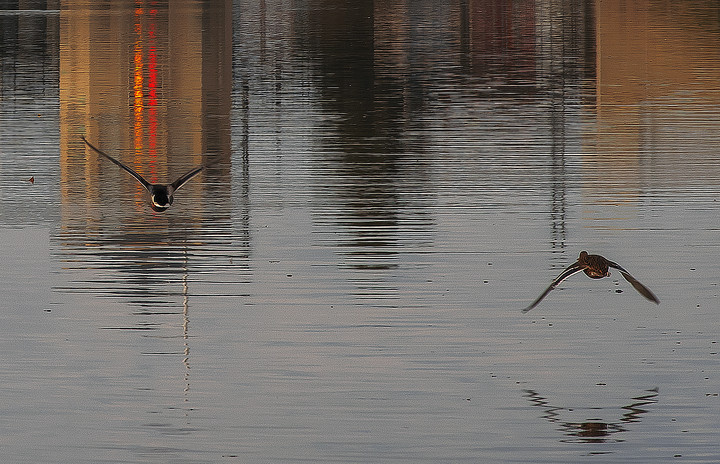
x,y
389,183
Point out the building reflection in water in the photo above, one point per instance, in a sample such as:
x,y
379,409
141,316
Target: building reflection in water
x,y
123,86
28,107
150,84
593,430
374,177
380,87
651,64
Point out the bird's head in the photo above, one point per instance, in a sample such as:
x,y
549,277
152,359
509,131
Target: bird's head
x,y
160,201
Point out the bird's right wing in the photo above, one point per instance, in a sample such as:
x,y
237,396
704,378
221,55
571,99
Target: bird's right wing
x,y
570,270
137,176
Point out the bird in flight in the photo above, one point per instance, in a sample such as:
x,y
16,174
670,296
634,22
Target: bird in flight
x,y
161,195
596,267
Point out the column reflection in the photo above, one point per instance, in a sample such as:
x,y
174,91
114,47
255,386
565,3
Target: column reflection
x,y
149,83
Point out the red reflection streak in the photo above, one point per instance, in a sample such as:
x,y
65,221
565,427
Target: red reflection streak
x,y
145,85
138,109
152,93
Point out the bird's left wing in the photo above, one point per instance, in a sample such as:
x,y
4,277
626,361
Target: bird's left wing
x,y
643,290
182,180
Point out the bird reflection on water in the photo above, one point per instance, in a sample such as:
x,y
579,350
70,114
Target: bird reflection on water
x,y
161,195
595,267
593,430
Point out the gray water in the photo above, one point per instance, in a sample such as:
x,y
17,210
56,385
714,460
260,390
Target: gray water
x,y
388,185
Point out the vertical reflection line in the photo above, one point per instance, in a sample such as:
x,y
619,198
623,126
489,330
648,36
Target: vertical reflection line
x,y
465,40
138,85
152,93
245,187
186,332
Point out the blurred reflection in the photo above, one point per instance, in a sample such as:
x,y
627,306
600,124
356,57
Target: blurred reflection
x,y
526,50
498,39
374,177
592,430
28,111
123,86
186,330
28,51
382,87
653,64
566,68
149,82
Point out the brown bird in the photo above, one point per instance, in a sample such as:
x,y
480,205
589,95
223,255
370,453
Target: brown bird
x,y
595,267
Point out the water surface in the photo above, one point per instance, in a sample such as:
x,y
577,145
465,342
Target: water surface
x,y
388,185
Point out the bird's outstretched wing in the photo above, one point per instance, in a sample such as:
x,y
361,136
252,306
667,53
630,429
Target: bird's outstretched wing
x,y
643,290
570,270
137,176
182,180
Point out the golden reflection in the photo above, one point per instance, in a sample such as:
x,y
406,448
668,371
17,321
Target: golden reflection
x,y
152,83
147,82
138,84
652,65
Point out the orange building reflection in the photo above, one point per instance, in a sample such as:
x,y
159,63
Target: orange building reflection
x,y
150,83
653,62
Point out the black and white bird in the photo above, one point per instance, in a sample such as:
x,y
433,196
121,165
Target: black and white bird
x,y
595,267
161,195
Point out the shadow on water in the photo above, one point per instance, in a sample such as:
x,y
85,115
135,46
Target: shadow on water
x,y
592,430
